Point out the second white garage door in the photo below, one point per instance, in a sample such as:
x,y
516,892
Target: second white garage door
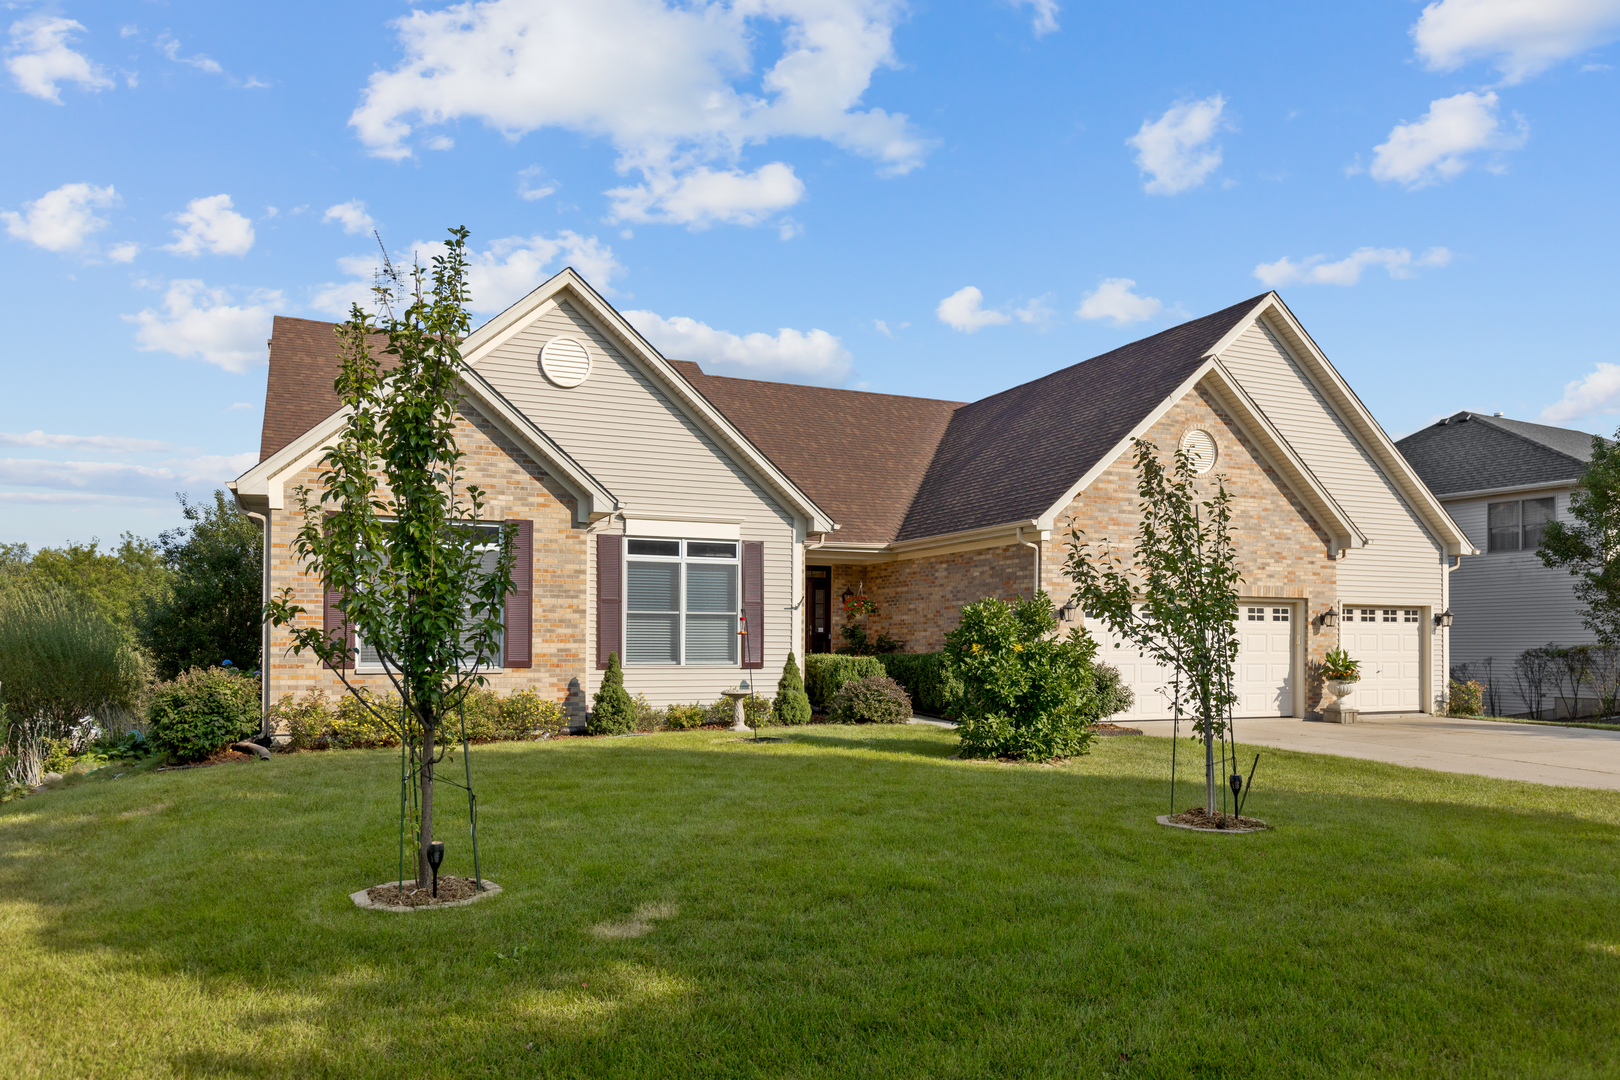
x,y
1386,641
1264,672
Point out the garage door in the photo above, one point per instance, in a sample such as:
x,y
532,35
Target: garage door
x,y
1386,641
1264,672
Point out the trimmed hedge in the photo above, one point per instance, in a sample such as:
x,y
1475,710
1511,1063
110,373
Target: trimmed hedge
x,y
923,677
826,673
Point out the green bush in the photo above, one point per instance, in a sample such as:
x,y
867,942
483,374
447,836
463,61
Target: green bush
x,y
356,727
1466,698
202,710
792,705
526,713
312,722
826,673
923,676
1113,696
612,711
875,699
1025,694
686,717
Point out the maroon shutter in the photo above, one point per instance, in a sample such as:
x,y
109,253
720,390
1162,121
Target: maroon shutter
x,y
753,604
609,597
332,620
520,601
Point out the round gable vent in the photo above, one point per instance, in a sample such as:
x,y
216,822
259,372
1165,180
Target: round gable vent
x,y
1199,446
565,361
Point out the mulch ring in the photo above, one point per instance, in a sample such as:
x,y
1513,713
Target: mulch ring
x,y
1196,818
451,889
1113,729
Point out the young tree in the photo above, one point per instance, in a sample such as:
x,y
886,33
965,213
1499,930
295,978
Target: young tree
x,y
1177,599
211,611
1589,547
395,529
612,710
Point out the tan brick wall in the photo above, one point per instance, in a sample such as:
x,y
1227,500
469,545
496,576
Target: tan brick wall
x,y
1282,553
517,486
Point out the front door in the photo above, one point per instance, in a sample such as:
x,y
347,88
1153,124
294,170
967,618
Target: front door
x,y
818,593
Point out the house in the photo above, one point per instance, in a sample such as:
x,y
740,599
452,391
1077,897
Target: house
x,y
1502,481
659,505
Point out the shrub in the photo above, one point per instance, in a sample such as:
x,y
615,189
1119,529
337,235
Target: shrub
x,y
526,713
1025,694
1113,696
612,711
857,643
826,673
686,717
792,703
1466,698
924,678
195,714
355,727
307,721
875,699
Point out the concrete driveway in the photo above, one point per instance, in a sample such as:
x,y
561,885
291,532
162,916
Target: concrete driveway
x,y
1568,757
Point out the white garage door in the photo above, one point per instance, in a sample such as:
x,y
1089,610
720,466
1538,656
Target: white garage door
x,y
1264,672
1386,641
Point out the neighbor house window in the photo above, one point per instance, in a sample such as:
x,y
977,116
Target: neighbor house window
x,y
489,557
681,602
1518,525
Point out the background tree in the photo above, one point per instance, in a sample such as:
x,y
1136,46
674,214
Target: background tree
x,y
212,609
1176,599
1589,547
116,583
395,528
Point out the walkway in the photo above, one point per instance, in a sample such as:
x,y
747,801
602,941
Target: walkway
x,y
1568,757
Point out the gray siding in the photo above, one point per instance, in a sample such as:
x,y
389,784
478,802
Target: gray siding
x,y
1403,564
1506,602
633,437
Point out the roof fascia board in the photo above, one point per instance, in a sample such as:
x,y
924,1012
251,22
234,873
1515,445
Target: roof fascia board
x,y
986,536
1314,362
1282,457
1513,489
268,477
641,353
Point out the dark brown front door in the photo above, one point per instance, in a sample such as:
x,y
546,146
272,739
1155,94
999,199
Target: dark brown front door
x,y
818,591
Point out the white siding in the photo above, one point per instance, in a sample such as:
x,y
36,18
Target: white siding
x,y
1507,601
634,439
1403,564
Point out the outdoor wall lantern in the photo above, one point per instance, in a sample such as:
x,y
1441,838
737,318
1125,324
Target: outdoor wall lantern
x,y
435,857
846,596
1330,617
1066,612
1443,619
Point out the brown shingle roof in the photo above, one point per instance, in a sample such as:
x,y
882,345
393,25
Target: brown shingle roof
x,y
304,363
859,456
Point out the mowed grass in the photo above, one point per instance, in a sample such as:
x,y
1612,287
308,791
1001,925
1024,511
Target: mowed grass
x,y
849,902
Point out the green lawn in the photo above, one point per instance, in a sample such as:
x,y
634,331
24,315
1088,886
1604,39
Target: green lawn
x,y
850,902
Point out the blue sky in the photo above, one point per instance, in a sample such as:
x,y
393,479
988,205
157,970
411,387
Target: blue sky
x,y
930,199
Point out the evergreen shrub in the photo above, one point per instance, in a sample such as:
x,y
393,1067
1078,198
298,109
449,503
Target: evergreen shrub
x,y
792,704
826,673
875,699
202,710
612,710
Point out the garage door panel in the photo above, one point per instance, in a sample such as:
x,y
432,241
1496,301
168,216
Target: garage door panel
x,y
1386,642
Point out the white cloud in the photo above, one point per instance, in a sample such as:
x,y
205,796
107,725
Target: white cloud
x,y
168,46
702,196
1036,311
114,443
1436,148
123,253
1113,300
209,224
39,58
1177,150
1046,13
1316,270
335,297
816,356
61,220
531,187
1597,392
673,86
351,215
1523,37
197,321
963,310
70,478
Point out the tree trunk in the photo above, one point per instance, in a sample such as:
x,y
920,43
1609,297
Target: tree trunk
x,y
424,869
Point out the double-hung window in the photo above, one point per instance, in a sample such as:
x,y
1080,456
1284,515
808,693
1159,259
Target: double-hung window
x,y
488,547
1519,524
681,601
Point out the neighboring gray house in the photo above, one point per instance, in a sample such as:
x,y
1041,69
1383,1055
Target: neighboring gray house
x,y
1502,481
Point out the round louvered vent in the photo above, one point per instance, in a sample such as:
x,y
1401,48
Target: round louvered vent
x,y
565,361
1199,446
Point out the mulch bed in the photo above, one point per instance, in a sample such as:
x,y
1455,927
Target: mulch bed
x,y
1198,819
408,895
1113,729
219,757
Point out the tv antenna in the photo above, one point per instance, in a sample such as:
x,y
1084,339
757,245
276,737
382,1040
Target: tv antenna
x,y
386,272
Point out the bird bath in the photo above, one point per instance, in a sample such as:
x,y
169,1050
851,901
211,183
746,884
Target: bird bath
x,y
739,723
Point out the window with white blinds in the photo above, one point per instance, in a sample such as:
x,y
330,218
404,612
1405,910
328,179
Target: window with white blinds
x,y
368,662
681,601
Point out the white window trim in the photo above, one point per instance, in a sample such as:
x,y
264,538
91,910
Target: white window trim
x,y
683,559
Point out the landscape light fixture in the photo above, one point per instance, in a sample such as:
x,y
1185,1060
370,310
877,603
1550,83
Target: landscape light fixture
x,y
435,857
1443,619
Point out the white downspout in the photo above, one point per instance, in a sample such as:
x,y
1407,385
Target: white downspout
x,y
1037,549
264,626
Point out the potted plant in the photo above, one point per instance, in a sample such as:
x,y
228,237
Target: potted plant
x,y
1341,671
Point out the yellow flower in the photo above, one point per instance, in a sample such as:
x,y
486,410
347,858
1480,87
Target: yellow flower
x,y
1017,647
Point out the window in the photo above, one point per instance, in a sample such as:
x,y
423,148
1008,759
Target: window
x,y
489,556
1409,615
681,602
1518,525
1279,614
1257,614
1389,615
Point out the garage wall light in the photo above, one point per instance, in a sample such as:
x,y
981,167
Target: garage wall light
x,y
1330,617
1443,619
